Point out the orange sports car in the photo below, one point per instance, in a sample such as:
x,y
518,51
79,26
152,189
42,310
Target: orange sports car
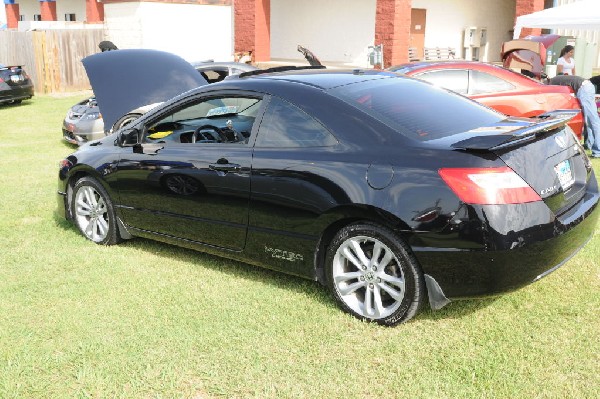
x,y
499,88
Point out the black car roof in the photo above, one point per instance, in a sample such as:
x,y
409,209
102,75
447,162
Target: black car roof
x,y
326,78
323,79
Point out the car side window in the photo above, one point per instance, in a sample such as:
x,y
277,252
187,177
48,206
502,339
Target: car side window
x,y
285,125
456,80
216,119
482,82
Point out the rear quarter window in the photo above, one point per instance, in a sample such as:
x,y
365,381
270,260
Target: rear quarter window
x,y
456,80
285,125
482,83
416,109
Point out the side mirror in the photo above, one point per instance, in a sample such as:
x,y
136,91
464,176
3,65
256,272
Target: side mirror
x,y
127,137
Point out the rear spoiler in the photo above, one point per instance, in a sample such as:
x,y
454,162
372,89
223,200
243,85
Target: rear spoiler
x,y
492,142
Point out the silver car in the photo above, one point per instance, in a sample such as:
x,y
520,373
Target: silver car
x,y
83,122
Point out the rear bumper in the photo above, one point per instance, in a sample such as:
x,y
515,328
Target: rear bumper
x,y
508,260
15,94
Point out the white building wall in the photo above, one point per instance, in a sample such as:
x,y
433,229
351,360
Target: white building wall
x,y
29,9
446,22
76,7
123,25
194,32
335,31
341,30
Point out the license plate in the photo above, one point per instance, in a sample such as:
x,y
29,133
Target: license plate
x,y
16,78
565,175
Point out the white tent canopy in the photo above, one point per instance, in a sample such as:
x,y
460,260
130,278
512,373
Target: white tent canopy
x,y
584,14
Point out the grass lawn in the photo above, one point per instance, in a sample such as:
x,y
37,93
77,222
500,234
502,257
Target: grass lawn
x,y
148,320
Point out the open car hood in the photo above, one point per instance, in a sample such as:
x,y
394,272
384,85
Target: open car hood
x,y
528,53
125,80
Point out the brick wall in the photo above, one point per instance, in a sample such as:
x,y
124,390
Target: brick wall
x,y
392,29
252,21
524,7
94,11
12,16
48,10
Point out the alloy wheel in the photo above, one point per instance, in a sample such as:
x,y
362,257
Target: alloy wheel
x,y
368,277
91,213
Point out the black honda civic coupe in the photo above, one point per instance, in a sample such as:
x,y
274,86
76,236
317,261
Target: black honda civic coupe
x,y
390,191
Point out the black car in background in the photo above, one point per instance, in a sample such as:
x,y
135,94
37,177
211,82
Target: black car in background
x,y
15,85
390,191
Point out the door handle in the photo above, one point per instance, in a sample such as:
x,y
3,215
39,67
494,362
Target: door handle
x,y
224,167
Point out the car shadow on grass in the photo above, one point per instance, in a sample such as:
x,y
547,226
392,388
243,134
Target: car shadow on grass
x,y
70,146
456,309
16,105
232,268
241,270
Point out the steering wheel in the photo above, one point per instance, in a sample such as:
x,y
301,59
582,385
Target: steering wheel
x,y
198,135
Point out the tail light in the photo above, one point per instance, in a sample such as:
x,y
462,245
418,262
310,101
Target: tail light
x,y
491,186
1,80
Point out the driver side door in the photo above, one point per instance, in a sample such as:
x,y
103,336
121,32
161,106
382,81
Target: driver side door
x,y
189,177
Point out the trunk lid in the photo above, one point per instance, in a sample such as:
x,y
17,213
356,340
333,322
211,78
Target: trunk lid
x,y
547,155
14,76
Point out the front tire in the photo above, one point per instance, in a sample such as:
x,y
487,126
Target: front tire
x,y
125,120
373,275
93,212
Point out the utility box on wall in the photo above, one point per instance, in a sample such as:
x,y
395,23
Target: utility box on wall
x,y
474,42
475,37
375,55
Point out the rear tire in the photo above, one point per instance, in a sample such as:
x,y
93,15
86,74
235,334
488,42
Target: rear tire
x,y
373,275
93,212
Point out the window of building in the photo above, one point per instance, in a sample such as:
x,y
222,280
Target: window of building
x,y
37,17
70,17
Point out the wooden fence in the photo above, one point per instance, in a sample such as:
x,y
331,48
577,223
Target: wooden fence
x,y
52,58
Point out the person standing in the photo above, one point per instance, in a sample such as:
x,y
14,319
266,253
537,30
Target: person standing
x,y
566,63
585,93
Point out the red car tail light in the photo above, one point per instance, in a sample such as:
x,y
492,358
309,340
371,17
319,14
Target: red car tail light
x,y
490,186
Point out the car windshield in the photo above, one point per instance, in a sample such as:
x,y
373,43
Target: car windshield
x,y
417,110
218,107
